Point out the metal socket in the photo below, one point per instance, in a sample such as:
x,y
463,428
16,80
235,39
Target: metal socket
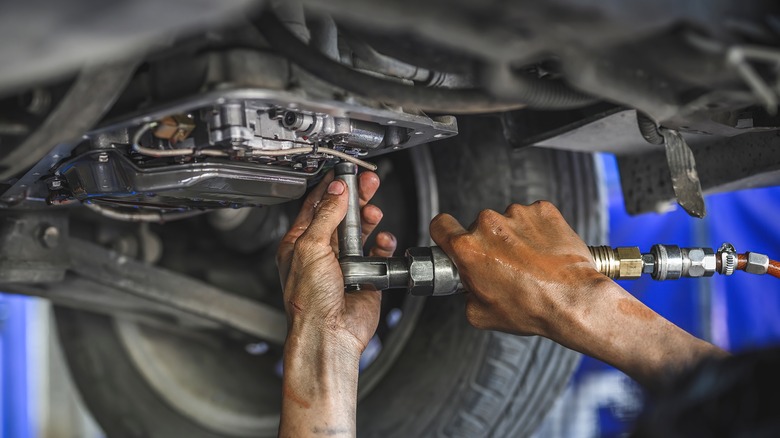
x,y
421,271
349,231
445,274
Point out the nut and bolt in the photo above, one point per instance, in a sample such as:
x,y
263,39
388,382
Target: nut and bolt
x,y
698,262
50,237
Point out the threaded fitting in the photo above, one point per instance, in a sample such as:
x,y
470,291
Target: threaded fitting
x,y
606,260
618,263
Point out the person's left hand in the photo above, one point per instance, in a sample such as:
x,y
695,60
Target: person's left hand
x,y
308,265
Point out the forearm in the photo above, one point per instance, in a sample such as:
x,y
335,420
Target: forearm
x,y
319,386
613,326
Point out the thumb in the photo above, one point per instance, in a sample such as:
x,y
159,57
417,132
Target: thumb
x,y
330,212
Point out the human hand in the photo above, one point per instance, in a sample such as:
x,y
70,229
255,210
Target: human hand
x,y
527,270
530,274
310,273
328,328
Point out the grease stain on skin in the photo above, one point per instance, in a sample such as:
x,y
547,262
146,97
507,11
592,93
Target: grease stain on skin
x,y
635,309
289,394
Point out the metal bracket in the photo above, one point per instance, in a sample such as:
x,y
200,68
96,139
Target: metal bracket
x,y
107,282
685,178
33,246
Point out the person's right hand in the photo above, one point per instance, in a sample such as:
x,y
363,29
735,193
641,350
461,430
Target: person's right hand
x,y
526,270
530,274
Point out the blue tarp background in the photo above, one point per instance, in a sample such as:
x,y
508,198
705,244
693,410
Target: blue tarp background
x,y
14,421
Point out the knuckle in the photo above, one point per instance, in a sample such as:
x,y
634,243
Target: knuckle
x,y
516,210
545,207
305,244
311,202
326,209
548,211
488,216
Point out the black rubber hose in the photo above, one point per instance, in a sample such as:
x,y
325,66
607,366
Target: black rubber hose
x,y
531,92
648,129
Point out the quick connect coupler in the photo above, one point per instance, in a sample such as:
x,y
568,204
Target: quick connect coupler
x,y
670,262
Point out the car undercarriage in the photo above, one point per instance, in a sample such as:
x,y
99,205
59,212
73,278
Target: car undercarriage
x,y
152,154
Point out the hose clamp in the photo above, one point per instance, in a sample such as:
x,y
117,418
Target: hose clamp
x,y
728,259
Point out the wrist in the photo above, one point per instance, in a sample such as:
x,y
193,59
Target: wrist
x,y
320,343
578,308
319,383
326,336
318,368
613,326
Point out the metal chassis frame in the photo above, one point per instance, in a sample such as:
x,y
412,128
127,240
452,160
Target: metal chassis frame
x,y
103,281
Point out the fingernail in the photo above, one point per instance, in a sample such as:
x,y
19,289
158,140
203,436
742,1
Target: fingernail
x,y
336,188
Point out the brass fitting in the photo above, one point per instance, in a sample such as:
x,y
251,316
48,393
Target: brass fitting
x,y
618,263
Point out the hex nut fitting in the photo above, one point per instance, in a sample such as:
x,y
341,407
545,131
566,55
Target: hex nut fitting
x,y
421,271
698,262
630,262
757,263
618,263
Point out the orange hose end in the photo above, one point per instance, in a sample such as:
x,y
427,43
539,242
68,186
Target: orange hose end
x,y
741,262
774,268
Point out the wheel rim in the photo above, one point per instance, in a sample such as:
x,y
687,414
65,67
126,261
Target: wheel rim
x,y
181,371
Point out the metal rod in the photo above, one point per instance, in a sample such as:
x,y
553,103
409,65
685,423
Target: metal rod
x,y
350,232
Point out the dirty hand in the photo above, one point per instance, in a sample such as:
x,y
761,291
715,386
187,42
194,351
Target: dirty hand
x,y
523,268
310,273
530,274
328,328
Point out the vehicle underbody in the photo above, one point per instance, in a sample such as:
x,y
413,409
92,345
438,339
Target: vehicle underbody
x,y
147,172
